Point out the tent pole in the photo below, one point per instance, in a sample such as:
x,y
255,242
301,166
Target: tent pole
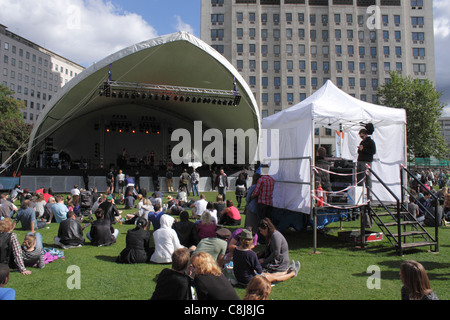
x,y
313,210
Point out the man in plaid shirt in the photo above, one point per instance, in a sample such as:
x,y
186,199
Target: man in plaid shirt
x,y
264,191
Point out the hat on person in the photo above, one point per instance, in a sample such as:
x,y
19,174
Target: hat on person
x,y
246,234
169,198
223,233
110,197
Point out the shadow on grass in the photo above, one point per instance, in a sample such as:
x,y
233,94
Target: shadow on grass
x,y
329,240
107,258
393,274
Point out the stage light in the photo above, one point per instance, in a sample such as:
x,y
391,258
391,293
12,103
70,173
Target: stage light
x,y
181,98
120,94
144,96
187,99
114,94
214,101
175,98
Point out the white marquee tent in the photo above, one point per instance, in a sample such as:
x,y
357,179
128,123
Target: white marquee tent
x,y
289,139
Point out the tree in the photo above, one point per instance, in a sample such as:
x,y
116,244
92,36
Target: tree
x,y
421,101
14,132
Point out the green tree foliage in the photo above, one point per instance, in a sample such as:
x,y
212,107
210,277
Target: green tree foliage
x,y
14,132
423,109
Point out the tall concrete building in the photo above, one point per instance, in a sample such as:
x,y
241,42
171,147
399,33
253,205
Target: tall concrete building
x,y
286,49
33,73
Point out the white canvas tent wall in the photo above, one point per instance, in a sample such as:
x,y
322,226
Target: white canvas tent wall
x,y
290,136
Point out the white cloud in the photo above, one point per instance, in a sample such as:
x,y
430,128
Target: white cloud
x,y
441,18
182,26
442,47
83,31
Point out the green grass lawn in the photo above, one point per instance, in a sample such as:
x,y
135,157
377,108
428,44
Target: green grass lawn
x,y
338,272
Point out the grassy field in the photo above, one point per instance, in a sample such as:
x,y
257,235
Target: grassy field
x,y
338,272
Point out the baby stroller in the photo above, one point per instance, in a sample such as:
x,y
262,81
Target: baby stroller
x,y
86,205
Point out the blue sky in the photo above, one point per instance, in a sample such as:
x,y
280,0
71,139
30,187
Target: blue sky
x,y
162,14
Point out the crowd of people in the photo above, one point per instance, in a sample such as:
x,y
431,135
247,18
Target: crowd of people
x,y
429,200
207,259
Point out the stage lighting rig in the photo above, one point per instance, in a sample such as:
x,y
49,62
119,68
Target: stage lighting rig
x,y
130,90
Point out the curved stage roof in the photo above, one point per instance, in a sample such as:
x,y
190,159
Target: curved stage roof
x,y
77,118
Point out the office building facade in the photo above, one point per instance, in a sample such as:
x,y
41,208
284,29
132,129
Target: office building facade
x,y
32,72
286,49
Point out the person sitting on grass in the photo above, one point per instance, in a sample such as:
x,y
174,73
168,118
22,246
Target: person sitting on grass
x,y
137,248
275,257
144,208
166,241
245,261
33,251
174,284
230,216
215,246
258,288
209,281
110,209
102,232
10,251
27,217
59,210
186,230
416,285
207,227
70,232
154,217
129,201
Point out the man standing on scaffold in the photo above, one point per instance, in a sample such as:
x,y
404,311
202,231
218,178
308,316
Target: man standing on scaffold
x,y
366,151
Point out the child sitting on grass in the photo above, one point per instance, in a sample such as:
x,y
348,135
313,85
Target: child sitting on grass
x,y
32,252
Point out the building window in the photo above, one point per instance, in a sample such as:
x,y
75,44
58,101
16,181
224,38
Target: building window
x,y
276,81
290,81
264,81
337,18
302,64
301,18
264,17
419,52
362,66
417,21
215,18
419,67
418,36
